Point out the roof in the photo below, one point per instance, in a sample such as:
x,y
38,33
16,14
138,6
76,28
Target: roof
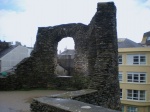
x,y
122,43
29,47
7,50
68,52
127,43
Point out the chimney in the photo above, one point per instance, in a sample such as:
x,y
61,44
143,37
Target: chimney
x,y
146,39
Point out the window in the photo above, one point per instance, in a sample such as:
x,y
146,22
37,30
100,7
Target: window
x,y
136,59
140,59
132,109
136,94
120,93
120,76
120,59
136,77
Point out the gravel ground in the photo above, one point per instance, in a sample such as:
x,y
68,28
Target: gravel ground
x,y
19,101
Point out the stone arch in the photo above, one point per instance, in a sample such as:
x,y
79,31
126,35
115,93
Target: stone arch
x,y
64,44
47,41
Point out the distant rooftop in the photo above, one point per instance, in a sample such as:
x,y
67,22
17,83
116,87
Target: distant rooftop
x,y
4,45
68,52
122,43
127,43
5,51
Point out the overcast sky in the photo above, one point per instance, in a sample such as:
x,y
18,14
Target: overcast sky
x,y
20,19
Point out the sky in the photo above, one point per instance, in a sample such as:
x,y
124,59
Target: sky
x,y
20,19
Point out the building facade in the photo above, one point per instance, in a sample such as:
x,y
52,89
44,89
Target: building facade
x,y
134,76
65,61
12,55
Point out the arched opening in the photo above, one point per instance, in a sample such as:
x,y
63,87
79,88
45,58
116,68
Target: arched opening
x,y
65,57
65,43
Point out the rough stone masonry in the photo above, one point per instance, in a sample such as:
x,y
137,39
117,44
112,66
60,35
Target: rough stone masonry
x,y
96,55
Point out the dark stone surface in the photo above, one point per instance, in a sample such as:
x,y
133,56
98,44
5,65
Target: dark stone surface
x,y
63,82
45,104
73,94
39,68
86,95
105,74
9,83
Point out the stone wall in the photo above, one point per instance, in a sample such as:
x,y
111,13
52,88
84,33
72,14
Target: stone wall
x,y
105,74
67,102
96,55
45,104
43,60
9,83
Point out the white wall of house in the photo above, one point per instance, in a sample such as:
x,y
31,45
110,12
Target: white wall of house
x,y
13,57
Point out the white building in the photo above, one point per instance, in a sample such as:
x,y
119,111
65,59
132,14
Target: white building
x,y
12,56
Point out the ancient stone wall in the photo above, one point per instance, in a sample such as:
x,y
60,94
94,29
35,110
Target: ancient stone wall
x,y
74,101
46,104
55,34
105,74
9,83
95,55
43,58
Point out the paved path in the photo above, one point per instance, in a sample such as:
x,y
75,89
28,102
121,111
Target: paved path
x,y
19,101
